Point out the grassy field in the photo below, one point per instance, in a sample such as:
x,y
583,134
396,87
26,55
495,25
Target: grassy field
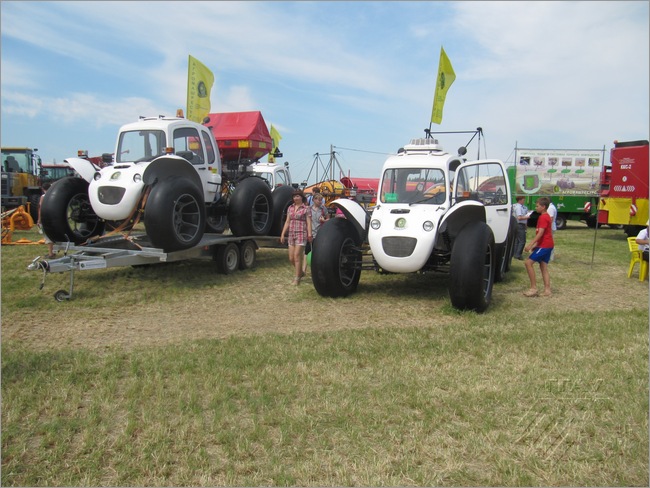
x,y
174,375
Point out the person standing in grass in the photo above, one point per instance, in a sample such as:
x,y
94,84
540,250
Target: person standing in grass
x,y
319,214
542,246
297,228
48,241
521,214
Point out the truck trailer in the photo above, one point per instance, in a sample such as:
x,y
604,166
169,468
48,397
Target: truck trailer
x,y
624,187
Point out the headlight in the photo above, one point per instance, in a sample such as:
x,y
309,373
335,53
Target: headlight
x,y
375,224
115,175
400,223
97,176
428,226
137,178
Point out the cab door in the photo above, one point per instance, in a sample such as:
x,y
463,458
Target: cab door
x,y
486,181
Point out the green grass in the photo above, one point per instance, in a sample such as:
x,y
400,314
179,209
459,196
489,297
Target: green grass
x,y
390,387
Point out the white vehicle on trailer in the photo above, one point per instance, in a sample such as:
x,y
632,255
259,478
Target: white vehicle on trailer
x,y
167,170
435,212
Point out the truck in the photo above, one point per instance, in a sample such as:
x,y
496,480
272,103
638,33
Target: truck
x,y
21,186
168,173
568,177
435,212
51,172
624,187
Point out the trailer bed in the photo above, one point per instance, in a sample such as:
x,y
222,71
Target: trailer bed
x,y
136,250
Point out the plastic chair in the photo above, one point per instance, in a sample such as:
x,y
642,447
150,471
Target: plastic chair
x,y
636,256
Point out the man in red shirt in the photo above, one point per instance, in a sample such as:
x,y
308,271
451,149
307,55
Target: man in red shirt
x,y
542,246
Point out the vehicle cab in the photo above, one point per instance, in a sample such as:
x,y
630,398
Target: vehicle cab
x,y
274,174
155,147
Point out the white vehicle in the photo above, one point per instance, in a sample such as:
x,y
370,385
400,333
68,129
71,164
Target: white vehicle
x,y
435,212
168,171
278,177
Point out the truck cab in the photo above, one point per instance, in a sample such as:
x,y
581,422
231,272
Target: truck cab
x,y
275,175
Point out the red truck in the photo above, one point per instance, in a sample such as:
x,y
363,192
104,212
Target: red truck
x,y
624,187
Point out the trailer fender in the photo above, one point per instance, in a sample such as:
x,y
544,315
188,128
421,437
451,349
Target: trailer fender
x,y
84,167
459,215
170,166
356,214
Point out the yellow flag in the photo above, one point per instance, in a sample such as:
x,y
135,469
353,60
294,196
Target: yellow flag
x,y
275,142
446,77
199,86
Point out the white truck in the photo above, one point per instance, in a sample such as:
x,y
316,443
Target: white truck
x,y
435,212
168,172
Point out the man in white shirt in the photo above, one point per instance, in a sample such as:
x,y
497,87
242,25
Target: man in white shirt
x,y
552,212
520,212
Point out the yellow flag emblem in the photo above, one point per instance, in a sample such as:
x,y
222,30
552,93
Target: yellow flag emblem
x,y
446,77
199,85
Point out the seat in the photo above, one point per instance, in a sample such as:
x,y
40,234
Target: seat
x,y
636,256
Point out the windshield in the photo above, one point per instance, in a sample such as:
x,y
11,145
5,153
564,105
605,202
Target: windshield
x,y
140,145
16,162
58,172
413,185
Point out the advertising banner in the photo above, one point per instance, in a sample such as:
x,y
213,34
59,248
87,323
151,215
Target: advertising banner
x,y
562,172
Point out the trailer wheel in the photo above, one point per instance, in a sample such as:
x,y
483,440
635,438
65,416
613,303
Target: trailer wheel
x,y
336,259
560,221
471,268
67,214
61,296
247,254
227,258
174,215
282,199
251,208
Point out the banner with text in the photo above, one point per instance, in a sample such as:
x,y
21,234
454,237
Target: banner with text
x,y
558,171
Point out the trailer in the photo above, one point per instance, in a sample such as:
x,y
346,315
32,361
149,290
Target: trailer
x,y
624,187
230,253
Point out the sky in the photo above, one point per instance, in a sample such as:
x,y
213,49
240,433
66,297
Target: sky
x,y
355,77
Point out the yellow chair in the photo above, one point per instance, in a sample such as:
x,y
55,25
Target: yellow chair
x,y
636,256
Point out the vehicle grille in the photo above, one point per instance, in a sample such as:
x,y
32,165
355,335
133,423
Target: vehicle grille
x,y
399,247
110,195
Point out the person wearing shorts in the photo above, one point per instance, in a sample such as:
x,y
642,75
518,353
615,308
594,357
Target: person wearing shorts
x,y
542,248
46,239
297,228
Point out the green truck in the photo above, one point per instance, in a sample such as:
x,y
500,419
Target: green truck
x,y
569,177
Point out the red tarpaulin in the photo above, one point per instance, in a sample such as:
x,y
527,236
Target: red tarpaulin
x,y
240,135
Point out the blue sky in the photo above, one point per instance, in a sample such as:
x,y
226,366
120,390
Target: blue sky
x,y
356,75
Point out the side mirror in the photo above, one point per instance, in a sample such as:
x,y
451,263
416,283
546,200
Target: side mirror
x,y
462,150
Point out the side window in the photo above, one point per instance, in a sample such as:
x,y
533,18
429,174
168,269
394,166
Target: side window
x,y
484,182
282,179
209,149
187,140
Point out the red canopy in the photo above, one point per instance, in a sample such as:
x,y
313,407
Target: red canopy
x,y
240,135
